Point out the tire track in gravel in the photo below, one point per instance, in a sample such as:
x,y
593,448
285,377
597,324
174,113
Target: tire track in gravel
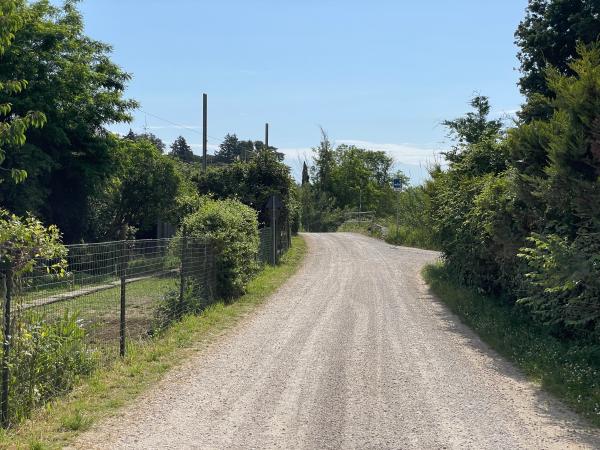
x,y
352,352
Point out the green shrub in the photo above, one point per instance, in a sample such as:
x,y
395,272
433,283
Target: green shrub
x,y
47,357
232,229
172,307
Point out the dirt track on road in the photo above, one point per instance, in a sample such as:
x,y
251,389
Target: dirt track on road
x,y
352,352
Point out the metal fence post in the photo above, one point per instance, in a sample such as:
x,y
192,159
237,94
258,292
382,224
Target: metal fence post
x,y
123,298
182,268
207,274
273,232
8,275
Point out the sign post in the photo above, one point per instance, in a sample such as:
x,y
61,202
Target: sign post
x,y
273,207
397,186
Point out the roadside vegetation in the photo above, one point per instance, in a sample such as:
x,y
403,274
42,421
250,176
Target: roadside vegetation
x,y
347,188
516,215
514,208
104,391
570,370
65,178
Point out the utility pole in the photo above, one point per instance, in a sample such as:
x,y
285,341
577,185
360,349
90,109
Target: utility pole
x,y
266,135
204,130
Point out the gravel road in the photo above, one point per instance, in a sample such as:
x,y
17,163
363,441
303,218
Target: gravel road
x,y
352,352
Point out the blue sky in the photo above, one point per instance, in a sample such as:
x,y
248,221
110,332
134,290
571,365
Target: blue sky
x,y
381,74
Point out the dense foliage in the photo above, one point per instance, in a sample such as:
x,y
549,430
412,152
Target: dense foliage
x,y
141,191
548,37
12,125
519,215
47,358
232,229
25,244
74,84
253,183
344,178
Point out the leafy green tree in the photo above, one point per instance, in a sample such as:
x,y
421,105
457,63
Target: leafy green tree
x,y
475,127
232,149
472,202
360,175
142,191
548,37
147,136
323,164
13,127
260,145
73,82
181,150
253,183
342,178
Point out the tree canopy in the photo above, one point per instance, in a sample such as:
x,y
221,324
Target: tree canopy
x,y
180,149
75,85
548,37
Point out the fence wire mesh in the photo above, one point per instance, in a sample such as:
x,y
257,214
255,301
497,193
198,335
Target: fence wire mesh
x,y
273,244
112,294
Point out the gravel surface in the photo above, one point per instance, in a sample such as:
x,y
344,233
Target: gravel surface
x,y
352,352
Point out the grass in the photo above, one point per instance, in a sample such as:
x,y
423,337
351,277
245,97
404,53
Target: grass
x,y
99,312
406,236
105,391
568,369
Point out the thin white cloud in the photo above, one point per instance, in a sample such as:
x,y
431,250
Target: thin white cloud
x,y
175,127
402,153
209,147
302,153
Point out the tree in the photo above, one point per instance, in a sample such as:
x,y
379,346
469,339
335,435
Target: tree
x,y
229,150
73,82
473,128
548,37
260,145
252,183
12,126
147,136
361,176
324,162
563,253
343,177
472,202
142,191
305,175
181,150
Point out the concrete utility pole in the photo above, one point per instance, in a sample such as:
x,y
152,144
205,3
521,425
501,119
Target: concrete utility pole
x,y
266,135
204,130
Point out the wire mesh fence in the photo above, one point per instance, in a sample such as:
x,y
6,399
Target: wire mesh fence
x,y
111,296
274,242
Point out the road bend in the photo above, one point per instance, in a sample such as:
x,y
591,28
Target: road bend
x,y
352,352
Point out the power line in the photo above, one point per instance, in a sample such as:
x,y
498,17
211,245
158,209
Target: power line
x,y
193,130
